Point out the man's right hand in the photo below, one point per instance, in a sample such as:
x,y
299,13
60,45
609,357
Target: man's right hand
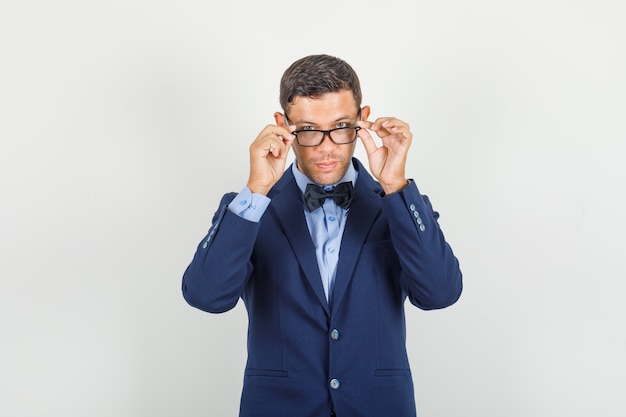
x,y
268,157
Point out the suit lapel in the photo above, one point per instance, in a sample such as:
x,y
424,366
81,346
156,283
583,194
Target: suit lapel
x,y
363,211
288,205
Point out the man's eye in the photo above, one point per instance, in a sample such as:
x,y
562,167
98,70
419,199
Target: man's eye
x,y
342,124
307,128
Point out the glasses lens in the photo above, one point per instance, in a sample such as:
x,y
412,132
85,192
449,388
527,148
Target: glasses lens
x,y
340,136
312,138
344,135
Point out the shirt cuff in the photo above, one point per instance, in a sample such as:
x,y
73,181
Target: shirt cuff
x,y
248,205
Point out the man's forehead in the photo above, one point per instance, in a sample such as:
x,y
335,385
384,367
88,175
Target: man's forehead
x,y
327,108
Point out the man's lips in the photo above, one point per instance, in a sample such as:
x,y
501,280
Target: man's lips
x,y
326,164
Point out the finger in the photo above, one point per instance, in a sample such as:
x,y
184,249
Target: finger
x,y
274,140
286,146
377,127
385,126
380,126
281,147
396,131
286,131
366,138
285,137
393,122
397,126
274,149
276,145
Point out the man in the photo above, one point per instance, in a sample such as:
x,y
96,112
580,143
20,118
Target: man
x,y
324,282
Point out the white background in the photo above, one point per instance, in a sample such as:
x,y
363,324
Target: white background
x,y
123,122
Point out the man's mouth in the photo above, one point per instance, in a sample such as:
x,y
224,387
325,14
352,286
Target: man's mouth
x,y
326,165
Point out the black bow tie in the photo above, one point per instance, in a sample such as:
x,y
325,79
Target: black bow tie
x,y
315,195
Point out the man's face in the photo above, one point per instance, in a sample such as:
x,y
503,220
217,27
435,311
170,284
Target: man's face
x,y
328,162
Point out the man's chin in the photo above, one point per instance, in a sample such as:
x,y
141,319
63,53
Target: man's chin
x,y
325,174
328,179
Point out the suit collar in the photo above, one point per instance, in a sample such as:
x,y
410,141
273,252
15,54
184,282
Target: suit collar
x,y
364,210
288,204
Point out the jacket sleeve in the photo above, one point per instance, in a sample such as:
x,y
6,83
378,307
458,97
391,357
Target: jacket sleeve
x,y
431,276
221,267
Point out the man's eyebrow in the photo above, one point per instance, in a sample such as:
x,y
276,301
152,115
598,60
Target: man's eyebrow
x,y
306,122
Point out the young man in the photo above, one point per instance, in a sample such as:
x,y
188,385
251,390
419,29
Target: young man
x,y
324,272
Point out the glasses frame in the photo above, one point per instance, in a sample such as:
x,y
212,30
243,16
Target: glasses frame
x,y
326,133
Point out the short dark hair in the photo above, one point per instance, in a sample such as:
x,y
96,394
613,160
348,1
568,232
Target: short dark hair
x,y
315,75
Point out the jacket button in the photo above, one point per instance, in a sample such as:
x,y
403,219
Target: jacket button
x,y
334,383
334,334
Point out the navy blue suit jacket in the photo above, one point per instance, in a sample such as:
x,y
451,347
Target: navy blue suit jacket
x,y
305,354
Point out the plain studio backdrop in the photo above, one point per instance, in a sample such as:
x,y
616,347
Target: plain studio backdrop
x,y
123,122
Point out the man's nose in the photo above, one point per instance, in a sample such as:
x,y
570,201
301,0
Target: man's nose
x,y
327,142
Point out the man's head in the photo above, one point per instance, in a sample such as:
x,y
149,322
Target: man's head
x,y
321,92
315,75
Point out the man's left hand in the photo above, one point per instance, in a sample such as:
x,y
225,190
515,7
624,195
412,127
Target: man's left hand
x,y
387,162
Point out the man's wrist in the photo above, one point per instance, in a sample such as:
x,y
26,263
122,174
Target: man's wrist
x,y
257,189
390,189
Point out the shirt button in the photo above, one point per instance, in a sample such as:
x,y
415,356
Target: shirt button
x,y
334,383
331,250
334,334
412,207
243,202
332,218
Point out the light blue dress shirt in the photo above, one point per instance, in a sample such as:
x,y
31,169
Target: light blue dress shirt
x,y
325,224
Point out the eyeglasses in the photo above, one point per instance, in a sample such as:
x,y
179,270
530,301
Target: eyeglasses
x,y
314,137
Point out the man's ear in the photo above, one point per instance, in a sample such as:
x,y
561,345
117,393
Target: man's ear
x,y
365,112
280,119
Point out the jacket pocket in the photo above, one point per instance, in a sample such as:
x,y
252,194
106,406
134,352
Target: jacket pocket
x,y
274,373
392,372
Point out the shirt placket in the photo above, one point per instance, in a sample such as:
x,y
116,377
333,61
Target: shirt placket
x,y
330,248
